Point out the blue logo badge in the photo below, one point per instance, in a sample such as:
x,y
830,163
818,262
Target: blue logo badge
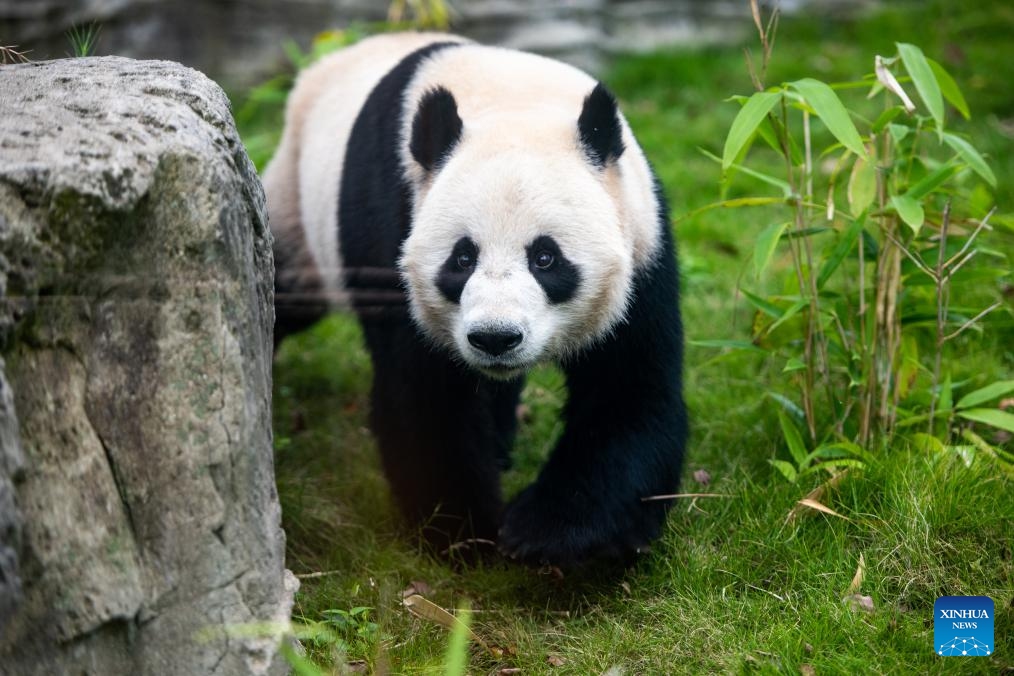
x,y
963,626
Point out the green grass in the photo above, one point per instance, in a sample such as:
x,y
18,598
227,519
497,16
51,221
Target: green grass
x,y
731,586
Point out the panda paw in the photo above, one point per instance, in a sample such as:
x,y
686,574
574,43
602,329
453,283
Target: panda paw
x,y
540,528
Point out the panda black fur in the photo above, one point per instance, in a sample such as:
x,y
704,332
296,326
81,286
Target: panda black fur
x,y
505,196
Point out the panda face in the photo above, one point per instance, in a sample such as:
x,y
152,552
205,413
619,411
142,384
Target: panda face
x,y
516,255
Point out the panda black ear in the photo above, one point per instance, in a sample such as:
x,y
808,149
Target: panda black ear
x,y
436,128
599,127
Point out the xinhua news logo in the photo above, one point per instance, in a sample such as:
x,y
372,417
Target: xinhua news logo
x,y
963,626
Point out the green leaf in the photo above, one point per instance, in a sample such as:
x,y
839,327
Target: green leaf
x,y
862,187
744,345
966,453
927,443
747,120
990,416
845,244
925,82
932,181
792,438
898,132
767,307
910,211
456,657
767,132
949,88
971,156
786,468
771,180
988,393
764,249
793,364
789,406
839,463
791,312
735,203
301,665
806,232
771,130
946,401
832,112
886,117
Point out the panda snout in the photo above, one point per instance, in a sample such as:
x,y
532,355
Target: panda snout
x,y
495,342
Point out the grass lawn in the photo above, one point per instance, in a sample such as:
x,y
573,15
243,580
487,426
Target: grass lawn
x,y
731,586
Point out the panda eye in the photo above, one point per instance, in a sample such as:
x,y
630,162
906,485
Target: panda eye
x,y
544,260
465,261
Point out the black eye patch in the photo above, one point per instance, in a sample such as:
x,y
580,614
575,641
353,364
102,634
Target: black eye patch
x,y
457,269
557,276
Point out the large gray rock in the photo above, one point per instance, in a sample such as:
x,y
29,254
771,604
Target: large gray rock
x,y
11,466
135,322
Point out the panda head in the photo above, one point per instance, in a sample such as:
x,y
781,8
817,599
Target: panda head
x,y
518,251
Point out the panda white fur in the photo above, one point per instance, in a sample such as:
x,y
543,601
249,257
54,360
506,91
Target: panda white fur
x,y
505,196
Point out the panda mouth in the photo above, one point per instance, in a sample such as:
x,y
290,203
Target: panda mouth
x,y
502,370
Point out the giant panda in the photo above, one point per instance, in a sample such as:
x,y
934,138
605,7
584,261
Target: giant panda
x,y
485,210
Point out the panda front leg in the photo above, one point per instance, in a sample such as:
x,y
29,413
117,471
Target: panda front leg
x,y
442,431
626,429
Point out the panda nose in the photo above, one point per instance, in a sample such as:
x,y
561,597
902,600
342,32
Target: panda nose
x,y
495,343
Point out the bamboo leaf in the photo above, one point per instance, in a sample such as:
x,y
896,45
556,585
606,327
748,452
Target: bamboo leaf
x,y
845,245
862,187
791,312
886,118
898,132
832,113
764,249
971,156
988,393
793,438
767,307
910,211
771,180
767,132
925,82
932,181
991,416
949,88
735,203
744,345
747,120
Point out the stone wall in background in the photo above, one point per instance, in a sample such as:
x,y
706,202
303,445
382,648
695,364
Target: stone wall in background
x,y
139,524
239,42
